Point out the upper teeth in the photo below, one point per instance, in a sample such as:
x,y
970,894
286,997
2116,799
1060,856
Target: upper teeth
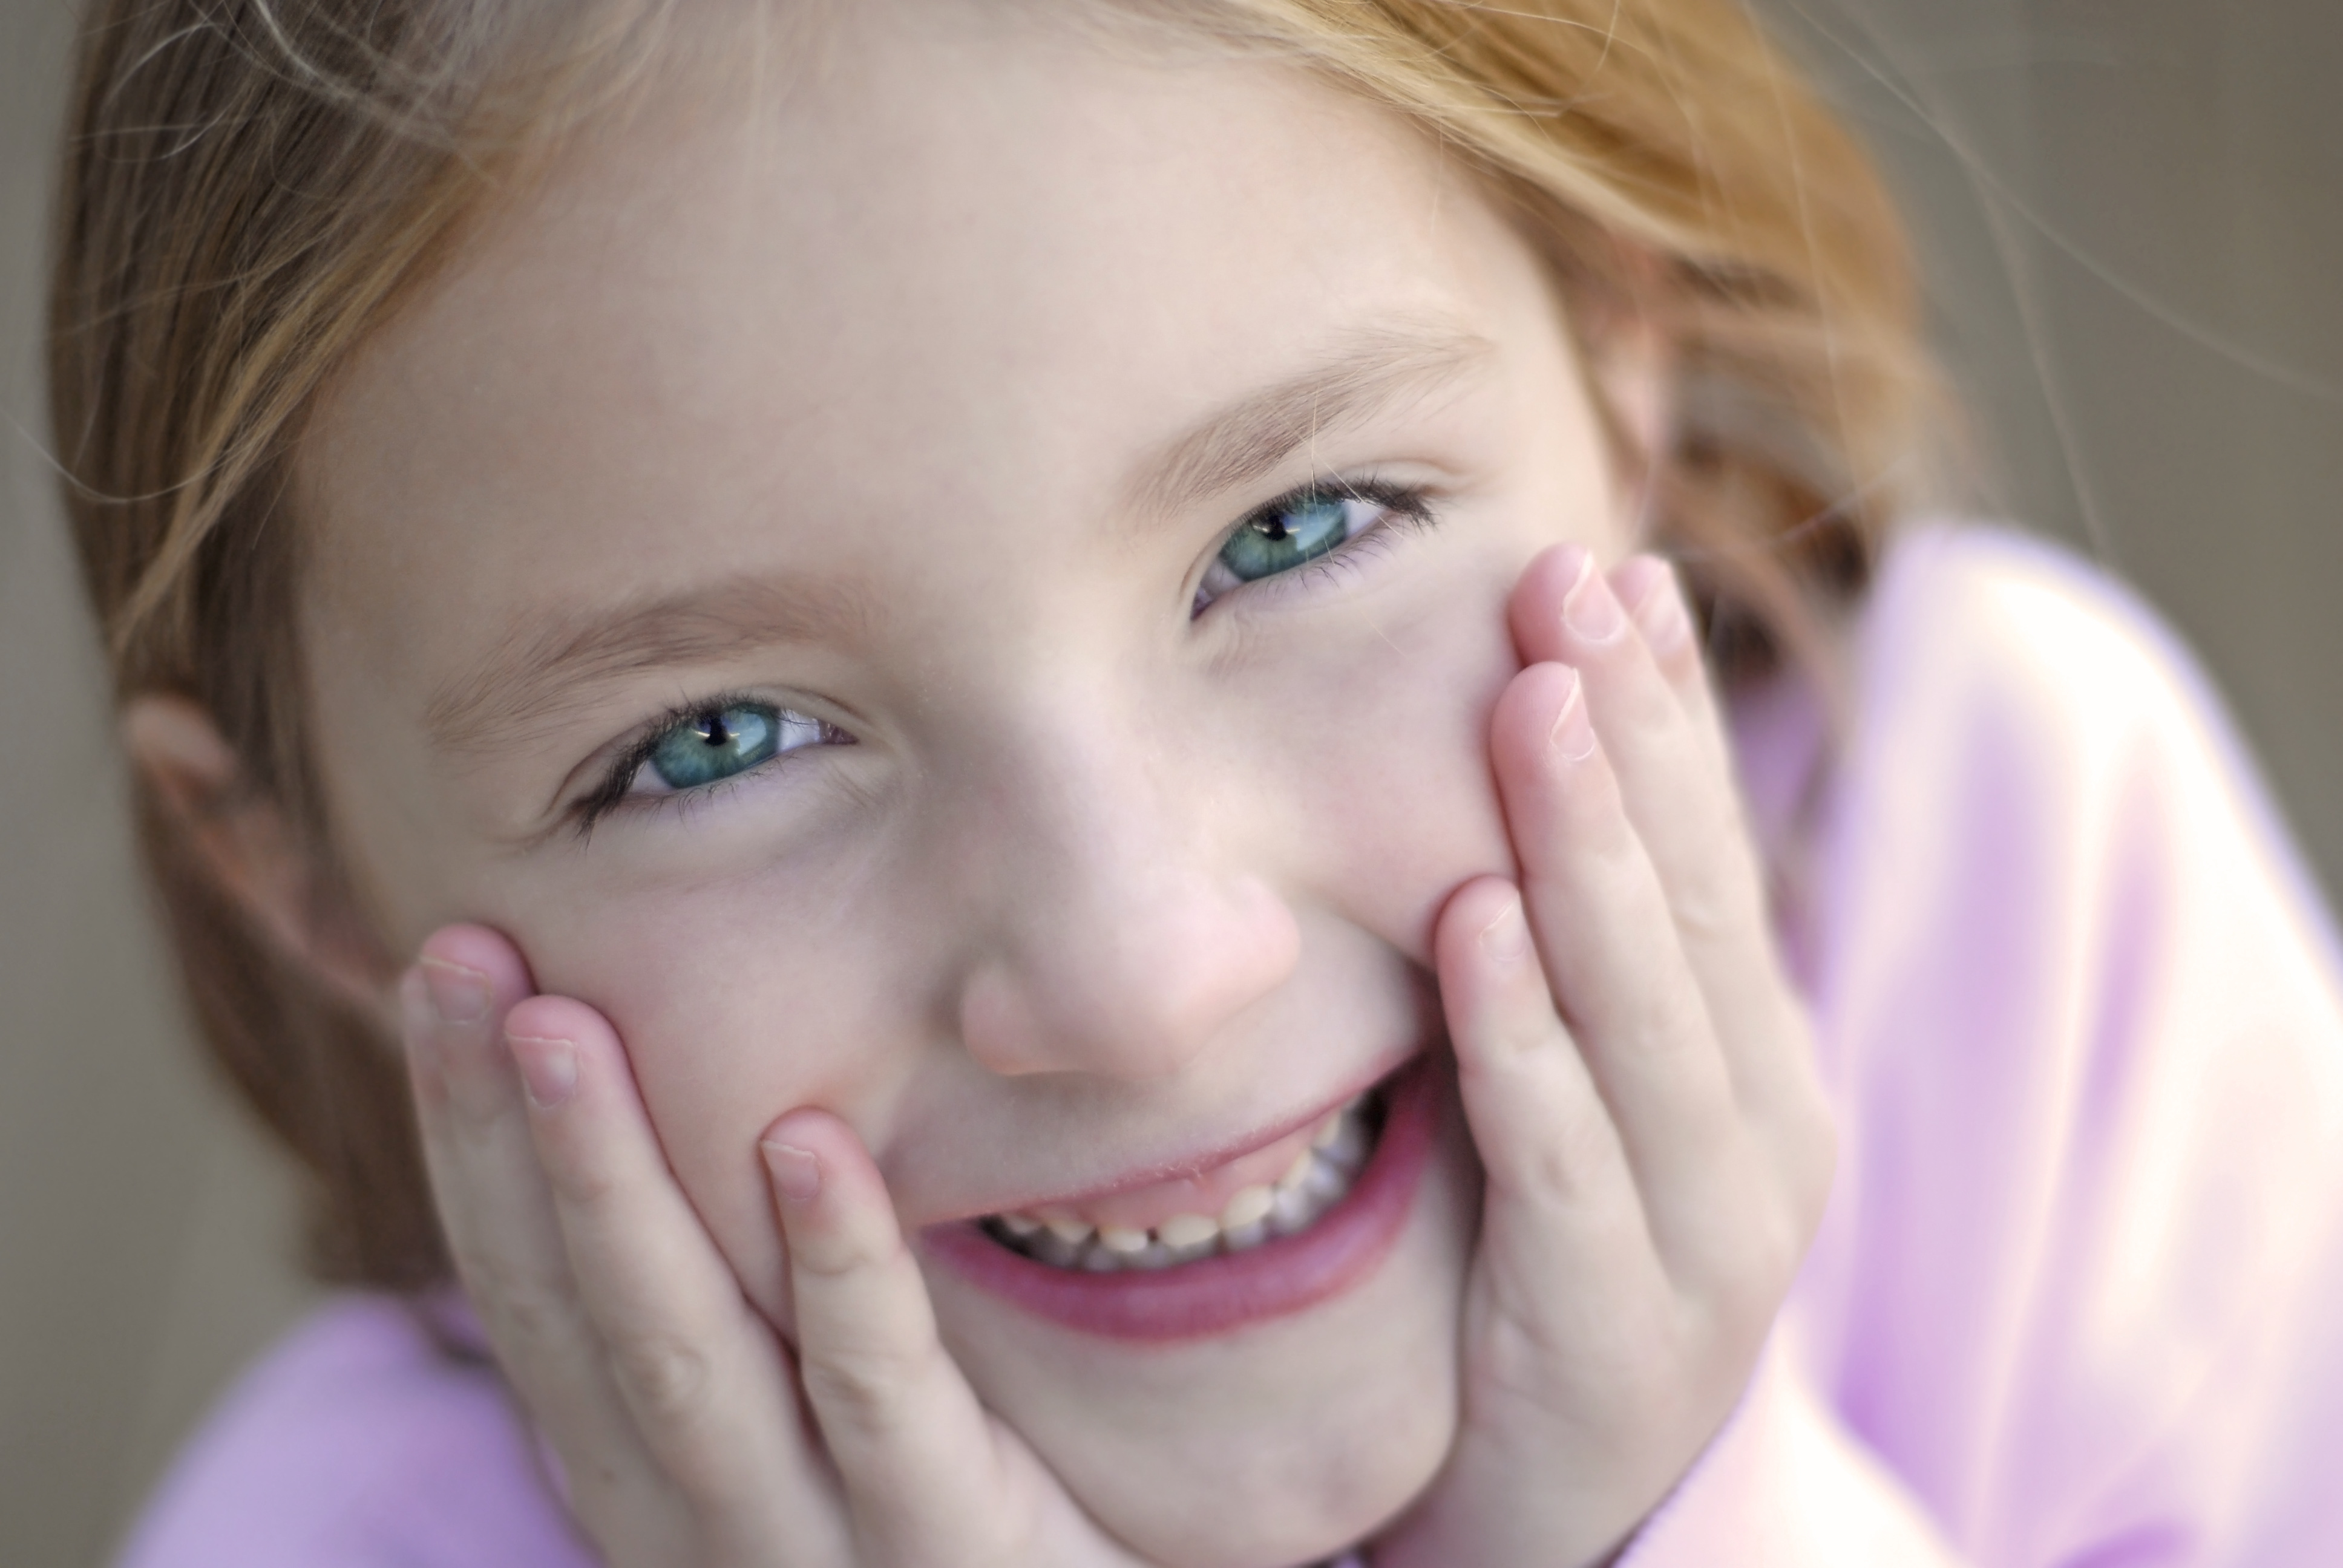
x,y
1317,1180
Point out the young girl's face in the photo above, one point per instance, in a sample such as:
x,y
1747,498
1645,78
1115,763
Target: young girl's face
x,y
968,593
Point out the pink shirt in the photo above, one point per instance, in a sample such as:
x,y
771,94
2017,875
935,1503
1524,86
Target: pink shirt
x,y
2078,1298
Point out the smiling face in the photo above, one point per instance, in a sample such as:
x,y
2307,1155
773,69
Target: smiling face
x,y
969,596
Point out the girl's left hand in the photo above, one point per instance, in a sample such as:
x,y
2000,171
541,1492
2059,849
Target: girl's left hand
x,y
1638,1077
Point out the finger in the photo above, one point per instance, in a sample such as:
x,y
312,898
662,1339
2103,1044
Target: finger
x,y
496,1209
1748,991
1677,786
1545,1138
703,1376
926,1474
1605,935
1654,595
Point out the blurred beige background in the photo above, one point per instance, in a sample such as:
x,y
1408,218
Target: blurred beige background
x,y
2134,212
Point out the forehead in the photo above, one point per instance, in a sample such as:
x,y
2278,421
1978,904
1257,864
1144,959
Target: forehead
x,y
954,260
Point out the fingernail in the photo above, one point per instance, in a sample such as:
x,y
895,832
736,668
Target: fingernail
x,y
1507,938
548,1069
1573,735
1590,610
459,995
794,1170
1661,616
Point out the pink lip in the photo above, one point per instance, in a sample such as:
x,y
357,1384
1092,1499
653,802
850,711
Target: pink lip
x,y
1217,1295
1195,1163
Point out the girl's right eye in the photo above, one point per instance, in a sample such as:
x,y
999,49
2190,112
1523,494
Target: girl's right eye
x,y
719,743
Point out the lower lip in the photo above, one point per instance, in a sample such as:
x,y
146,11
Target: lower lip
x,y
1217,1295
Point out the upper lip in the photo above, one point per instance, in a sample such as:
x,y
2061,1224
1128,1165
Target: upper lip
x,y
1211,1156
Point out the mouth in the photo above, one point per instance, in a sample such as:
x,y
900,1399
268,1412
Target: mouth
x,y
1269,1232
1324,1164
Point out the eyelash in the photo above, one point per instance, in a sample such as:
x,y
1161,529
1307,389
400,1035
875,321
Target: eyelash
x,y
1405,507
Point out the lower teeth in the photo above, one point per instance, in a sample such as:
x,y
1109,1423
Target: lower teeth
x,y
1321,1179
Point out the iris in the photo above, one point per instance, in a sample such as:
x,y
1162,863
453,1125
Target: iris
x,y
1281,536
718,744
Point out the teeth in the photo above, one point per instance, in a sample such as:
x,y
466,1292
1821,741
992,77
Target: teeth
x,y
1294,1208
1347,1147
1327,1181
1156,1256
1238,1238
1052,1247
1185,1231
1122,1239
1189,1253
1319,1178
1249,1207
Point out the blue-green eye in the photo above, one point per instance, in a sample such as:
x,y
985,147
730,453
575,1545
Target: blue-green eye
x,y
717,743
1302,527
1282,536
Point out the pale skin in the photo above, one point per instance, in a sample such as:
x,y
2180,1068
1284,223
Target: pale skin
x,y
866,395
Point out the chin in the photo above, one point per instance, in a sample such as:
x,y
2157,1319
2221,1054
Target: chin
x,y
1247,1410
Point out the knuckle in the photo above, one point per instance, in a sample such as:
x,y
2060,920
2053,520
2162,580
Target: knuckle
x,y
532,1315
1712,909
1670,1019
500,1283
581,1181
868,1387
664,1379
1522,1033
522,1310
1575,1160
840,1255
1764,1258
1719,896
1517,1355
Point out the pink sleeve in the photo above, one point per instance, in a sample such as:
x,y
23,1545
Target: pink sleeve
x,y
1785,1486
2078,1300
361,1440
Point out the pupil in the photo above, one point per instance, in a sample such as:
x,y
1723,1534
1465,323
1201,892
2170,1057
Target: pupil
x,y
712,729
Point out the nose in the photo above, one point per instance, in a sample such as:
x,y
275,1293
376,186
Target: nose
x,y
1118,940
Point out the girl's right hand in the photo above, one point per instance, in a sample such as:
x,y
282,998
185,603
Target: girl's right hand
x,y
688,1433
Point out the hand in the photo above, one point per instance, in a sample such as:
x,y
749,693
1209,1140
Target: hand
x,y
1637,1075
688,1433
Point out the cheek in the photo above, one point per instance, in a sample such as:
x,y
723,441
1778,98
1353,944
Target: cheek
x,y
1385,751
736,1004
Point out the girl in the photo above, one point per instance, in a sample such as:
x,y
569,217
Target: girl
x,y
1077,903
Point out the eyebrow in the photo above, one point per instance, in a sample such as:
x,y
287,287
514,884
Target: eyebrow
x,y
1245,443
533,680
536,679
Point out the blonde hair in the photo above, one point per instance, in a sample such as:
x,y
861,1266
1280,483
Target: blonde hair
x,y
253,186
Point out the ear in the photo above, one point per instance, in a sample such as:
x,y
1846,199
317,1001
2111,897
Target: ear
x,y
1634,366
1632,361
246,843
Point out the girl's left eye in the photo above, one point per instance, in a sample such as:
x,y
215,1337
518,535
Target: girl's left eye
x,y
716,743
1301,527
